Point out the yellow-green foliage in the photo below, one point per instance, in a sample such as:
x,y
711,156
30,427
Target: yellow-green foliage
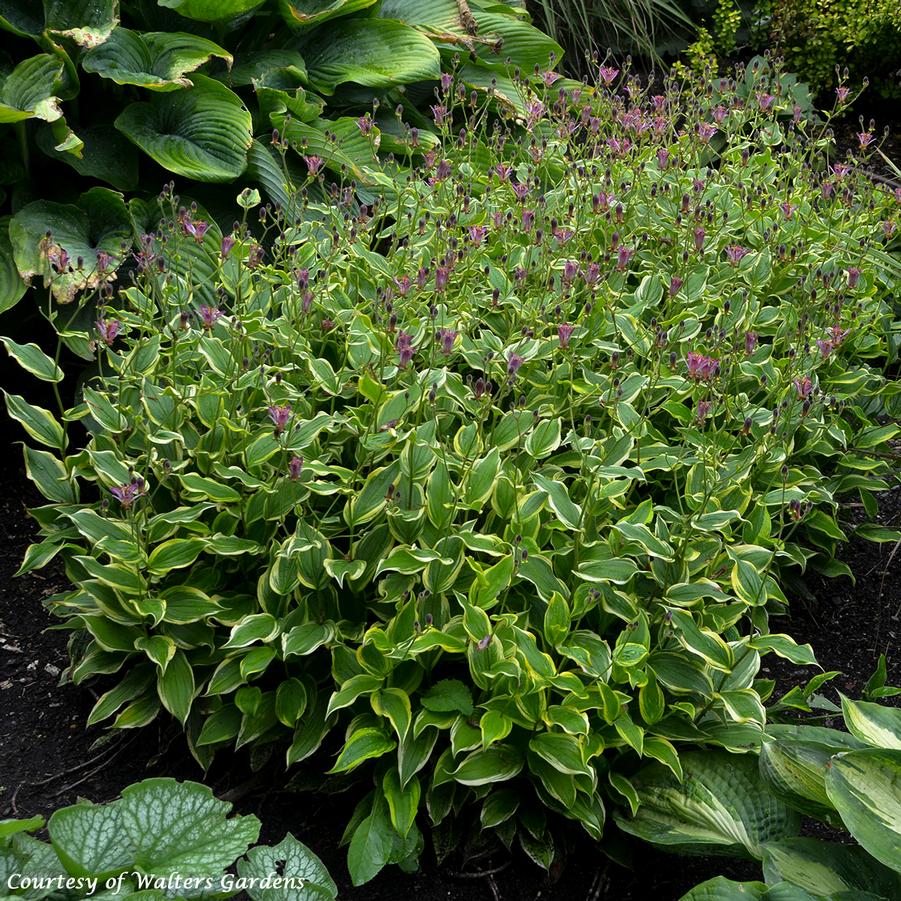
x,y
817,35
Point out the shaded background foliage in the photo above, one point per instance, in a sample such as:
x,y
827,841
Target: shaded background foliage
x,y
100,99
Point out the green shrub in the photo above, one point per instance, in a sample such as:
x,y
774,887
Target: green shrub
x,y
119,97
848,780
490,488
161,839
817,37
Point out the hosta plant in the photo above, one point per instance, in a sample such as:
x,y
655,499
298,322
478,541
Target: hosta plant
x,y
102,98
161,839
849,780
486,491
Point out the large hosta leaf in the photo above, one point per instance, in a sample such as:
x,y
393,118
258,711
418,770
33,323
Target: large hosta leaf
x,y
865,787
794,766
158,827
105,155
827,869
157,60
87,22
98,222
211,10
722,889
30,91
721,806
874,724
434,16
11,285
202,133
304,13
376,53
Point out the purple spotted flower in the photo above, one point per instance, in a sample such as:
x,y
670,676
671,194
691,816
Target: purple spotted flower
x,y
570,271
442,274
314,164
675,283
706,131
865,138
108,329
196,228
788,209
364,123
735,253
58,257
280,416
804,387
295,466
439,113
853,276
402,283
701,367
765,100
750,342
514,361
564,333
404,347
225,248
209,316
528,220
623,255
607,74
446,338
128,493
703,409
477,234
841,93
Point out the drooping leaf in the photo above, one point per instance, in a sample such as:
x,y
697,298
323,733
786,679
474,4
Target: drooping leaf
x,y
865,787
827,868
721,806
211,10
375,53
874,724
157,60
306,13
30,90
202,133
98,223
87,22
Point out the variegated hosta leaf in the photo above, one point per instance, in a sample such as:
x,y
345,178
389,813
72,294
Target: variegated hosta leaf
x,y
827,869
157,60
865,787
721,806
87,22
306,13
98,223
722,889
202,133
795,765
211,10
376,53
30,91
873,724
292,858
